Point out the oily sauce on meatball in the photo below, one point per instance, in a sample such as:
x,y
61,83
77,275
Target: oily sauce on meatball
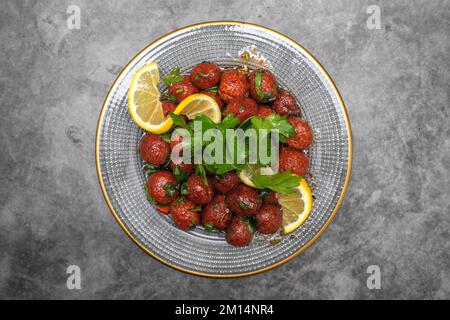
x,y
185,214
226,182
263,86
303,133
183,89
197,191
162,186
240,232
205,75
216,214
294,160
268,219
286,104
233,84
153,149
243,200
242,108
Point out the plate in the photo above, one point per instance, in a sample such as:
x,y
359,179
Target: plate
x,y
120,169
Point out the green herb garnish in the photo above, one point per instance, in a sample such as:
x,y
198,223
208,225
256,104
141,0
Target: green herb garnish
x,y
149,197
274,122
149,168
170,189
282,182
173,77
200,171
244,205
201,75
209,227
180,175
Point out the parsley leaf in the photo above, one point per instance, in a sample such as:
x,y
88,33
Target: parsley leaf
x,y
282,182
274,122
178,120
173,77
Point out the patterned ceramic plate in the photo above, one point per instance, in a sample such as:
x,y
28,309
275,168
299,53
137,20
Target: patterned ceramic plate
x,y
120,168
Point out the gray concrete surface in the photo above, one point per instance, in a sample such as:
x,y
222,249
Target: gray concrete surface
x,y
395,82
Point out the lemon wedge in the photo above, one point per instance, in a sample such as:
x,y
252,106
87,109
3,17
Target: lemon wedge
x,y
144,100
146,108
199,104
296,207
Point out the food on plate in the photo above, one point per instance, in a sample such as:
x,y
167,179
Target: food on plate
x,y
285,104
216,214
233,84
240,232
240,198
263,86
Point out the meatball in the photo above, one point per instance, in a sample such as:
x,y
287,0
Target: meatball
x,y
240,232
216,97
264,111
205,75
183,89
294,160
216,214
242,108
197,191
185,214
153,149
268,219
271,198
226,182
243,200
162,186
303,133
233,85
168,107
286,104
263,86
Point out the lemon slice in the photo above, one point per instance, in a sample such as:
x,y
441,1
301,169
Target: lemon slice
x,y
199,104
143,100
296,207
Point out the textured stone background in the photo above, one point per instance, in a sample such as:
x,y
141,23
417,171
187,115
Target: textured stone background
x,y
395,82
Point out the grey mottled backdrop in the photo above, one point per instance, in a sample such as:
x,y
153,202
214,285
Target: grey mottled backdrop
x,y
394,81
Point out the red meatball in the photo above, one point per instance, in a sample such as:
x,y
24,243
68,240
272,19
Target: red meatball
x,y
197,191
184,214
242,108
294,160
243,200
240,232
205,75
183,89
286,104
303,133
272,198
264,111
226,182
162,186
268,219
168,107
263,86
233,84
153,149
216,97
216,214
